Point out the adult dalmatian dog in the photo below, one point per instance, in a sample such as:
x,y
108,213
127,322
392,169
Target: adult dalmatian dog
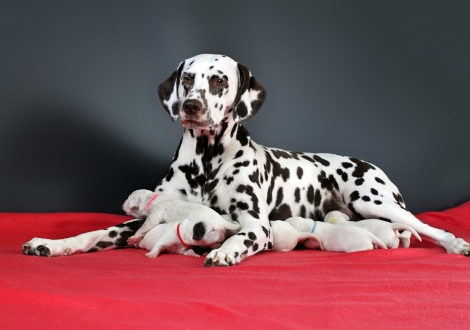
x,y
218,165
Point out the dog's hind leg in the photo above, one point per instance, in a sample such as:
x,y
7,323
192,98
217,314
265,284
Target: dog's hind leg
x,y
103,239
392,211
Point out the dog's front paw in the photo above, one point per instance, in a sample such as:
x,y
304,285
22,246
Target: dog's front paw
x,y
45,247
459,246
221,257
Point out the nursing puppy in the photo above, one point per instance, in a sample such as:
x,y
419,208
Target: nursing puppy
x,y
179,238
286,237
335,238
387,232
175,225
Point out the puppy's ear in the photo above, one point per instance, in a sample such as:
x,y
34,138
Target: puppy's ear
x,y
199,230
250,97
168,93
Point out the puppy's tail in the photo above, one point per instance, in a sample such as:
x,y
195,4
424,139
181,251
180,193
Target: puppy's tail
x,y
402,226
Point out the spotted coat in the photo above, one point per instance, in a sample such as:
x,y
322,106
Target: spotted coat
x,y
218,165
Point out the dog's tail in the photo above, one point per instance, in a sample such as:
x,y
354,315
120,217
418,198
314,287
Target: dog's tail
x,y
402,226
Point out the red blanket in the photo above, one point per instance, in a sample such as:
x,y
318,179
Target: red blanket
x,y
420,287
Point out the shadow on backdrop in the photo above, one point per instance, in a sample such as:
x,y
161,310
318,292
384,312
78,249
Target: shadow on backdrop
x,y
63,164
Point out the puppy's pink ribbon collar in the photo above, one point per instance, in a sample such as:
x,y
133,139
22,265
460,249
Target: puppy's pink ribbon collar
x,y
179,236
150,201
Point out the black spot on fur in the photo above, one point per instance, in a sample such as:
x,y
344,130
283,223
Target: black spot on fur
x,y
345,177
297,195
270,245
280,196
242,205
354,196
104,244
322,161
280,213
379,180
310,159
374,192
347,165
238,154
366,198
359,182
170,174
361,167
300,172
242,135
182,191
377,202
303,211
198,231
327,182
254,214
248,243
265,231
282,154
112,233
255,247
211,67
242,110
310,194
252,236
317,200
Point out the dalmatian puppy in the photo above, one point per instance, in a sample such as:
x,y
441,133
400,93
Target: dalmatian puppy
x,y
218,165
385,231
286,237
337,238
208,227
180,238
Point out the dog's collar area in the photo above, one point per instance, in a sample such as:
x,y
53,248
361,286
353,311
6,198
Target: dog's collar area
x,y
313,228
150,201
179,236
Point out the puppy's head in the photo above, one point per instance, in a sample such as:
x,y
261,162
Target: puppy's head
x,y
208,89
336,217
135,204
210,232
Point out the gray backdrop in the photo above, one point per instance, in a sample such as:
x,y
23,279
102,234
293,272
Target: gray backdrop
x,y
81,125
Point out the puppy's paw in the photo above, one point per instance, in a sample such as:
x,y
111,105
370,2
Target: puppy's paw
x,y
46,247
151,255
134,239
221,258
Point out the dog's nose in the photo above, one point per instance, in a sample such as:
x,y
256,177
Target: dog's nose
x,y
192,107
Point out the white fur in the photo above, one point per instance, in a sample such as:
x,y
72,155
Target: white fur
x,y
158,233
387,232
338,238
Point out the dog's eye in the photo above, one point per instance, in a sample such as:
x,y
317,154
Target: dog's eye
x,y
221,82
186,80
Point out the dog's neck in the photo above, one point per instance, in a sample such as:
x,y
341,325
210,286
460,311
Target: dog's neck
x,y
210,143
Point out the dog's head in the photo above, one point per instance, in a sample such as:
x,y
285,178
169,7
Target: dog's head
x,y
206,89
135,203
211,232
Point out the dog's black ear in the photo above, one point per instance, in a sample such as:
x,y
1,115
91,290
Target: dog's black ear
x,y
250,97
198,231
168,93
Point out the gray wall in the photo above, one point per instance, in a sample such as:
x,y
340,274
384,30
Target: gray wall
x,y
81,125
